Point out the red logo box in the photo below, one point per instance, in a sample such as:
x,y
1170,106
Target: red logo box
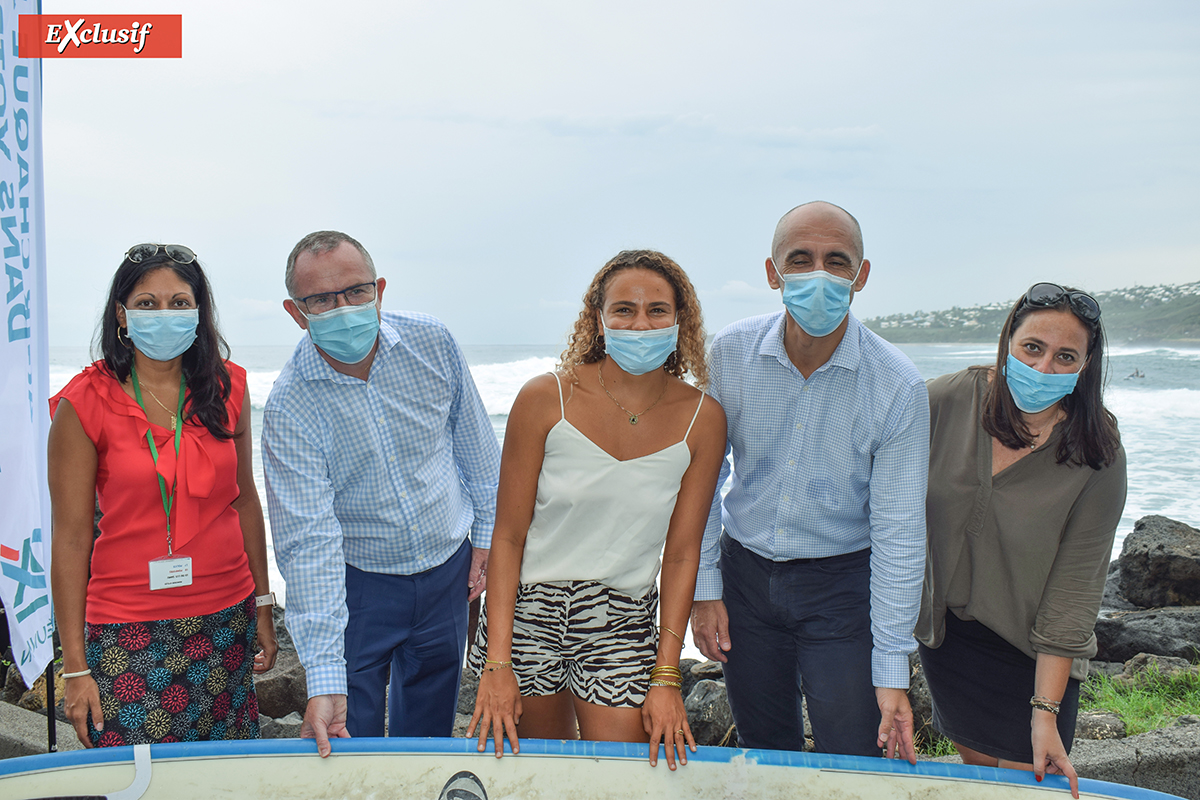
x,y
100,36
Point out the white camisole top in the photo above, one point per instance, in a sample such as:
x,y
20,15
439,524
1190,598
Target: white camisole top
x,y
597,518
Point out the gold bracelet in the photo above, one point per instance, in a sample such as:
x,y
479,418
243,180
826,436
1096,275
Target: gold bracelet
x,y
666,683
502,665
673,633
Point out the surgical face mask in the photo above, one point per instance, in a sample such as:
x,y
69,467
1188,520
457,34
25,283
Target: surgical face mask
x,y
1035,391
162,334
639,352
817,301
347,334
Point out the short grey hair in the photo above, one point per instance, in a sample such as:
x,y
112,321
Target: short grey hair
x,y
317,243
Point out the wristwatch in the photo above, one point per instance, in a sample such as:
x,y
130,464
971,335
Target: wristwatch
x,y
267,599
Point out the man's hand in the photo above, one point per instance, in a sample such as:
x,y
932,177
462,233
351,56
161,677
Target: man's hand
x,y
710,629
325,716
477,577
895,723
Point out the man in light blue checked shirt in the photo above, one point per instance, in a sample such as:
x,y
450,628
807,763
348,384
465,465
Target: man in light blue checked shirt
x,y
814,584
381,467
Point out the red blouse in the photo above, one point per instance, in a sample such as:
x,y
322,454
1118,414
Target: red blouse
x,y
133,530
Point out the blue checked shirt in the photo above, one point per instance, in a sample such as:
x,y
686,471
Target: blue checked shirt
x,y
389,475
826,466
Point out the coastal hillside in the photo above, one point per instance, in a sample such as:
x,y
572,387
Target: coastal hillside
x,y
1137,315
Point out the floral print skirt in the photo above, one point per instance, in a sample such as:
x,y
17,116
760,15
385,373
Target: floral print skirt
x,y
176,680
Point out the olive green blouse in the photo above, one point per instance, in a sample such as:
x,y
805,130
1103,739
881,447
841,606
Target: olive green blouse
x,y
1024,552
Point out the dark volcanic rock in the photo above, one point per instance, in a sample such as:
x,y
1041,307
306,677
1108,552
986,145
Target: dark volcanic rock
x,y
689,680
921,701
1099,725
1160,564
468,688
284,689
1162,632
708,713
1113,600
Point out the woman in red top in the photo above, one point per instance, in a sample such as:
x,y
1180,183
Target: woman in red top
x,y
159,613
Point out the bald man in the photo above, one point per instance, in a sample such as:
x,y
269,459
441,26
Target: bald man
x,y
811,568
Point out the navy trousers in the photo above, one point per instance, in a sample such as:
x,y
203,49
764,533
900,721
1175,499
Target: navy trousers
x,y
796,627
406,633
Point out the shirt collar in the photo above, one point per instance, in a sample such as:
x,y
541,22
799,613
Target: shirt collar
x,y
847,355
311,366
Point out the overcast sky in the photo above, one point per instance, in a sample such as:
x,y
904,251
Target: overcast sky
x,y
493,155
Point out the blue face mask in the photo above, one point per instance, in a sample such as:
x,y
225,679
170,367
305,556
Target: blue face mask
x,y
817,301
347,334
1035,391
639,352
162,335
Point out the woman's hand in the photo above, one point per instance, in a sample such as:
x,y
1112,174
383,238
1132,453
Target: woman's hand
x,y
665,720
264,659
1049,755
497,708
82,696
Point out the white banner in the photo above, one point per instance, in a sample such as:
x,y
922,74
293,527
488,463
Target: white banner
x,y
24,374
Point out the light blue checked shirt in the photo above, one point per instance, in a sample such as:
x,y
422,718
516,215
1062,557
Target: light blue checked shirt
x,y
826,466
388,475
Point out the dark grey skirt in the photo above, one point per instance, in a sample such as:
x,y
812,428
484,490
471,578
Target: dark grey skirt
x,y
981,687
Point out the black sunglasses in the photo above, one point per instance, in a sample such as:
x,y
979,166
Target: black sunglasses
x,y
176,252
1050,295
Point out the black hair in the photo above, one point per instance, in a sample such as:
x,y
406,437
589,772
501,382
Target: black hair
x,y
1090,433
204,368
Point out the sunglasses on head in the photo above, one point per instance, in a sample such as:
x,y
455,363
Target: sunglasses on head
x,y
176,252
1050,295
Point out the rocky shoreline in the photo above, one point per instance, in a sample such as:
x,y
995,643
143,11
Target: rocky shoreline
x,y
1149,620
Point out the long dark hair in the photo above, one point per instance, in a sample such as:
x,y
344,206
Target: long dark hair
x,y
1090,435
203,363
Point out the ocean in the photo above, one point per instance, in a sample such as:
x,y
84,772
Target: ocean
x,y
1159,414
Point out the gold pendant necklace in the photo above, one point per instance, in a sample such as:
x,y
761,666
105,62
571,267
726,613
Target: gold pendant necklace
x,y
174,419
633,418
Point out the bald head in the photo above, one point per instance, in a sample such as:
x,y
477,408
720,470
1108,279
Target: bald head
x,y
817,211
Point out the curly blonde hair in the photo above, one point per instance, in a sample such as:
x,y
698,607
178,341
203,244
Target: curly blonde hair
x,y
585,345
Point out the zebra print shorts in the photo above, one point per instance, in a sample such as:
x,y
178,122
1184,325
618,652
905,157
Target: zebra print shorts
x,y
582,636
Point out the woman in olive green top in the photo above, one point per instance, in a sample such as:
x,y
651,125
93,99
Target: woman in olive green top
x,y
1026,487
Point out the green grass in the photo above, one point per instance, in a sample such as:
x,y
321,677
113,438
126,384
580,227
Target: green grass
x,y
933,744
1150,703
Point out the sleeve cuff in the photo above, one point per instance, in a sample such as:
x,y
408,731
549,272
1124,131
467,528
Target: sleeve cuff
x,y
327,679
708,584
889,670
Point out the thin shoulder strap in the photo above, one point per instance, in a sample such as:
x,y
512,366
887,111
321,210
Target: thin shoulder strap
x,y
561,405
693,422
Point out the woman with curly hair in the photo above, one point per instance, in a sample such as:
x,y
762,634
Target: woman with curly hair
x,y
162,612
608,463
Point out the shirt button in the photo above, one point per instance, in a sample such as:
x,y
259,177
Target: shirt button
x,y
786,499
414,528
380,420
392,460
799,426
791,462
403,495
779,531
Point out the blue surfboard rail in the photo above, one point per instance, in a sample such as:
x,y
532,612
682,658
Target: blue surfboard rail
x,y
564,749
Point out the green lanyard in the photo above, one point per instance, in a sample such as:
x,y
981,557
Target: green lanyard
x,y
168,500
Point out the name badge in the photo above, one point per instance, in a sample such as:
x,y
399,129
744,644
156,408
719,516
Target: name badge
x,y
170,571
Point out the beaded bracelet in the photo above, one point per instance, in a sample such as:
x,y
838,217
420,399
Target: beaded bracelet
x,y
502,665
1045,704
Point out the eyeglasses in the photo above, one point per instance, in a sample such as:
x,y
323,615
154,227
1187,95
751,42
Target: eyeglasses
x,y
1049,295
358,295
176,252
